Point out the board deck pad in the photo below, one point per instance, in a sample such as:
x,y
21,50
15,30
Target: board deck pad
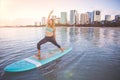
x,y
33,62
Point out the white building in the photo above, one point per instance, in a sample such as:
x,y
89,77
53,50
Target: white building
x,y
43,21
77,18
57,21
84,18
96,16
107,17
37,23
54,17
72,17
63,19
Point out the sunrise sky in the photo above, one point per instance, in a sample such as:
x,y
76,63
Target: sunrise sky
x,y
21,12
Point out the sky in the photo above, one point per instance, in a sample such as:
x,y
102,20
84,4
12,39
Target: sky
x,y
22,12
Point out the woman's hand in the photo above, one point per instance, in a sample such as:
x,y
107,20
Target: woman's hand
x,y
51,11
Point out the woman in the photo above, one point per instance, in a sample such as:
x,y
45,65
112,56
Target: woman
x,y
49,35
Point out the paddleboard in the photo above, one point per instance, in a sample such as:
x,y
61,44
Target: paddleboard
x,y
33,62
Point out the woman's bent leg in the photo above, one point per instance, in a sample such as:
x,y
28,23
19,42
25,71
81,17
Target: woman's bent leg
x,y
39,46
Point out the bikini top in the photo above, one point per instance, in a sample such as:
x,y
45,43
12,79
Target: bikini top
x,y
49,29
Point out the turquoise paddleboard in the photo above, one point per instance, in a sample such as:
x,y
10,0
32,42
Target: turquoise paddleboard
x,y
32,62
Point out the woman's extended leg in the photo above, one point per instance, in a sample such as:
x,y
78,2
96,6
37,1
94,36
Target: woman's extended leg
x,y
56,44
44,40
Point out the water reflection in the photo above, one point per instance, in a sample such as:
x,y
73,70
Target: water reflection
x,y
101,36
74,34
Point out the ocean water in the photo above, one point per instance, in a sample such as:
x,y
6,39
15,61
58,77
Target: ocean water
x,y
95,54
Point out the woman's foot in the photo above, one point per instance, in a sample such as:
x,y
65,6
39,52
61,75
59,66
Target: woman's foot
x,y
62,50
38,56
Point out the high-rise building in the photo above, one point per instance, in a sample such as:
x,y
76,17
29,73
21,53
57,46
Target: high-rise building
x,y
57,20
84,18
107,17
117,18
63,19
35,23
72,17
89,21
90,14
96,16
77,18
54,17
43,21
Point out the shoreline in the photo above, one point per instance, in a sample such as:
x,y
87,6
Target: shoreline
x,y
56,26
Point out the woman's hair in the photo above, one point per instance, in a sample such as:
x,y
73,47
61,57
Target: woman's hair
x,y
53,23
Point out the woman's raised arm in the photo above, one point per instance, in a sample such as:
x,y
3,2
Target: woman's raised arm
x,y
49,15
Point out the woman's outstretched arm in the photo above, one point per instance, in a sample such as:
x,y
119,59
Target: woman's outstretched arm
x,y
49,15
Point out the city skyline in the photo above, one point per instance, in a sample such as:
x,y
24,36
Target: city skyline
x,y
27,11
